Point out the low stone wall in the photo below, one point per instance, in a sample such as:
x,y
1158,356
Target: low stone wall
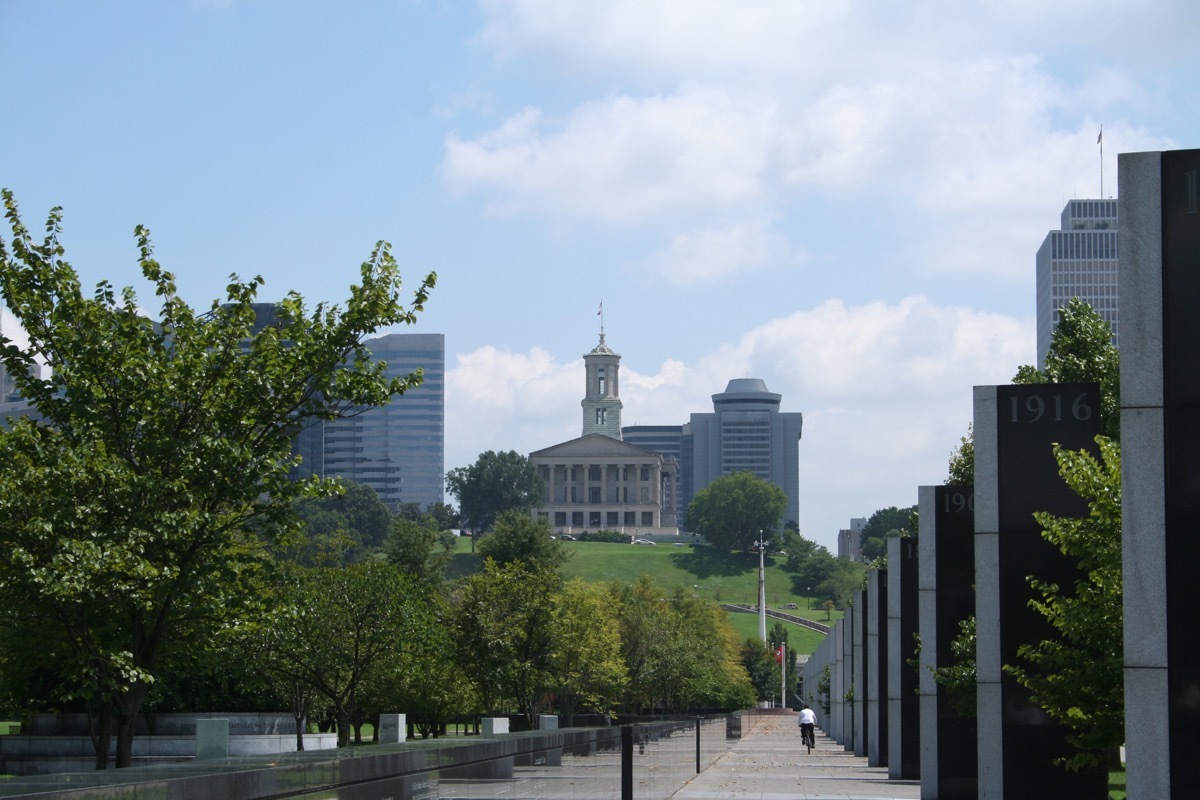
x,y
174,724
47,755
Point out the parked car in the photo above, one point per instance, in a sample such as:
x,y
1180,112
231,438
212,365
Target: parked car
x,y
568,537
790,605
642,541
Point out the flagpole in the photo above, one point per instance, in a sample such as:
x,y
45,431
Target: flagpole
x,y
1100,141
783,675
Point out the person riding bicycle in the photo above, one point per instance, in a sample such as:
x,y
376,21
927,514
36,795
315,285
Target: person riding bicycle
x,y
808,724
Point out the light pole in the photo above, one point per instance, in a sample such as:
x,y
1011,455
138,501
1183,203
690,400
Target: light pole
x,y
762,590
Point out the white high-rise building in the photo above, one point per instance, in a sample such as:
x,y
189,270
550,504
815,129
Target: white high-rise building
x,y
1080,260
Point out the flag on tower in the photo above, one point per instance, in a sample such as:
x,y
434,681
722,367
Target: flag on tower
x,y
1100,138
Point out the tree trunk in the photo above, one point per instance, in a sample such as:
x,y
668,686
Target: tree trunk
x,y
101,731
300,713
128,706
343,727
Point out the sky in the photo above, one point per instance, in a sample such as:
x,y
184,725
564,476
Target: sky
x,y
843,198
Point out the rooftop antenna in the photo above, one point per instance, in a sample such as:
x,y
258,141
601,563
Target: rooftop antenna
x,y
1100,141
600,314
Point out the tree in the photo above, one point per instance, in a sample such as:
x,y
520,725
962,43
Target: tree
x,y
1077,677
502,624
343,527
496,482
736,510
585,667
883,525
419,550
518,538
962,461
444,516
140,500
334,627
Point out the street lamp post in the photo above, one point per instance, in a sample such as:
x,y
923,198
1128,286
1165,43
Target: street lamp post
x,y
762,590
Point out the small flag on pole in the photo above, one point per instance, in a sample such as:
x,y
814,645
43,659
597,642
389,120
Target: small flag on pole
x,y
1100,138
600,310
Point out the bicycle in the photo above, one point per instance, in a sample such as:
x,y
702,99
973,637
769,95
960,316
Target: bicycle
x,y
808,736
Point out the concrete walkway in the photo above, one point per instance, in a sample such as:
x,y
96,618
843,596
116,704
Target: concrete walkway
x,y
769,762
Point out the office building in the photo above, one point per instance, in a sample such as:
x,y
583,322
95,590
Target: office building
x,y
746,432
398,449
1079,260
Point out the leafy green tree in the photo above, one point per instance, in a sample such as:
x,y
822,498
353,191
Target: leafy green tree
x,y
419,549
1077,677
844,580
585,669
736,510
427,682
502,619
680,651
883,525
341,528
759,662
962,461
516,537
495,483
333,628
140,500
444,516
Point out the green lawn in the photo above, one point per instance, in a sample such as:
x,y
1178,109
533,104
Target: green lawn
x,y
722,577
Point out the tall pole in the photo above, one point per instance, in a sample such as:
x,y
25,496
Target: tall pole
x,y
783,701
762,590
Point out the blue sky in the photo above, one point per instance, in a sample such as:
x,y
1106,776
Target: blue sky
x,y
841,198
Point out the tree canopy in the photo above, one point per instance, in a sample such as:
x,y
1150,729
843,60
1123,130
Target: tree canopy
x,y
736,510
496,482
884,524
518,537
141,497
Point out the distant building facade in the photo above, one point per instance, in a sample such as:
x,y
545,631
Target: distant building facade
x,y
1079,260
599,481
850,539
746,432
398,449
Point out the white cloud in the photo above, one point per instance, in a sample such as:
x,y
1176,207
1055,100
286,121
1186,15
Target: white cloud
x,y
885,390
620,160
719,251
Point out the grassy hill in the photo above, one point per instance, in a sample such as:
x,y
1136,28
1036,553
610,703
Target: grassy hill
x,y
721,577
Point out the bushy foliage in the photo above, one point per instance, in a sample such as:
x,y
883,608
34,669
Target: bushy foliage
x,y
615,537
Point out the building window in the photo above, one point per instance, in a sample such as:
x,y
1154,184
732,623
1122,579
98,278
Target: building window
x,y
603,383
593,473
647,519
645,494
601,416
645,473
594,519
574,495
612,519
560,519
594,495
577,519
631,518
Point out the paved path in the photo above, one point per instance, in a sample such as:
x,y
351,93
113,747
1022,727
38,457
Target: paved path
x,y
769,763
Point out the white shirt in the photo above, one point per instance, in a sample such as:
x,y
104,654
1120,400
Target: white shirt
x,y
807,717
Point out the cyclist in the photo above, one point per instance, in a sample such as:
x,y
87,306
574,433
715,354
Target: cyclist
x,y
808,724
